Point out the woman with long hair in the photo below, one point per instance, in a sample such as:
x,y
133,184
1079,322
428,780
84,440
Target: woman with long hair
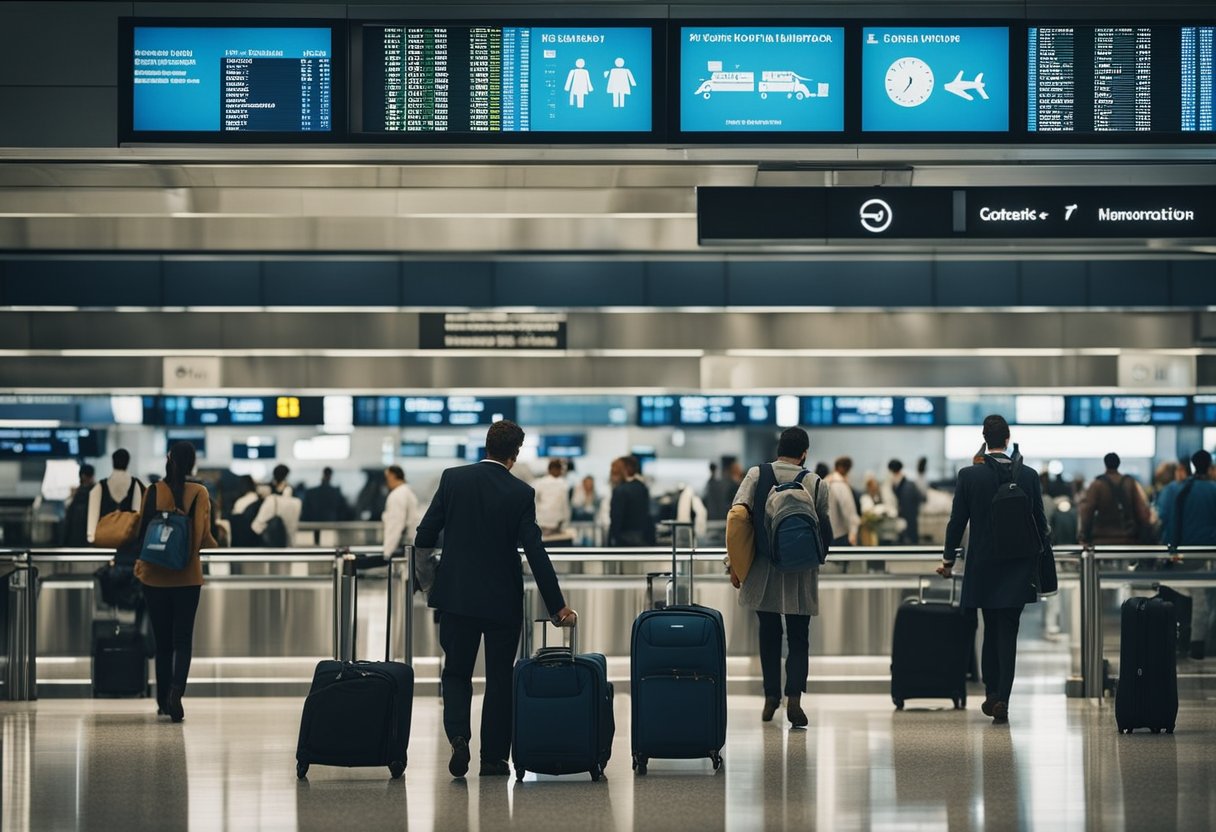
x,y
172,595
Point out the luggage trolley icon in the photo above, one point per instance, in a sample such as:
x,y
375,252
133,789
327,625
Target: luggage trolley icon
x,y
771,81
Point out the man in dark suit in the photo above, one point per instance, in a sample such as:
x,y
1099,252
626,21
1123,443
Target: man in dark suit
x,y
485,514
1000,588
630,522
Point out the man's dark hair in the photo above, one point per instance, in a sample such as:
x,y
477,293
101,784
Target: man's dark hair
x,y
280,473
121,459
1202,460
397,471
248,485
503,440
1111,461
326,473
821,470
793,443
556,467
895,466
844,464
633,465
86,470
996,431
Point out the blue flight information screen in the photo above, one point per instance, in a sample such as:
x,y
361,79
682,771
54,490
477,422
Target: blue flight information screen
x,y
761,79
942,79
1198,100
232,79
507,79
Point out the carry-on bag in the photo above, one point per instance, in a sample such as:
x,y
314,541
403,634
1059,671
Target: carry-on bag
x,y
358,712
120,659
1147,695
563,721
931,650
678,678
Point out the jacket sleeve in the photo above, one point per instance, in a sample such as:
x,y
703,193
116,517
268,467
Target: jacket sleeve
x,y
267,510
432,522
394,521
960,515
1040,516
202,516
538,559
1085,513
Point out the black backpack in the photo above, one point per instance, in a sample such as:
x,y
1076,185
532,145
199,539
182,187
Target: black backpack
x,y
1014,533
274,536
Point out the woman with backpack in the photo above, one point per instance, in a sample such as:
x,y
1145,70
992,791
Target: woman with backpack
x,y
172,594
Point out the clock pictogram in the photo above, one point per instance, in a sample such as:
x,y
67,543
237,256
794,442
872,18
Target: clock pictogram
x,y
909,82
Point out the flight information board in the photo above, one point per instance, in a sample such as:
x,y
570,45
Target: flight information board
x,y
63,443
494,79
1198,101
1127,410
1105,79
705,411
234,410
944,79
761,79
232,79
865,411
438,411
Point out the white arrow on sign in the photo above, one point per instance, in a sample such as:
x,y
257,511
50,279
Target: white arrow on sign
x,y
1043,215
959,87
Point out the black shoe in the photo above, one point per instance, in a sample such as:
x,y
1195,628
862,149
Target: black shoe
x,y
173,706
771,704
458,766
795,714
494,768
1000,713
986,708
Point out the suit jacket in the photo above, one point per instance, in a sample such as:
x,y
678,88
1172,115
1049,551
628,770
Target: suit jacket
x,y
486,514
630,523
989,584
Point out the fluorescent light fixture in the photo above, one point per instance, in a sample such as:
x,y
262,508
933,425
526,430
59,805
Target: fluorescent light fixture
x,y
1209,438
330,447
127,410
1039,410
1059,441
787,411
29,423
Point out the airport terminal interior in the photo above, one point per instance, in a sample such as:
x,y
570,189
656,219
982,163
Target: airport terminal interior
x,y
326,246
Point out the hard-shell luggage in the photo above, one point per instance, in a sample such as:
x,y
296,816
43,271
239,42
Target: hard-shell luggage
x,y
358,712
1147,695
678,677
120,659
563,721
931,650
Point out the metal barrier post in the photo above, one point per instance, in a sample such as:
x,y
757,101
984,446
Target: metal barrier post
x,y
348,609
1091,626
22,672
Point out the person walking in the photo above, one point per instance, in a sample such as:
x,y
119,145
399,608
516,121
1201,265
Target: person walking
x,y
772,593
1000,588
486,515
171,595
1114,509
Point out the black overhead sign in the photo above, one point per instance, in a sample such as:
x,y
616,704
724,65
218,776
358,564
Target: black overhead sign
x,y
492,331
816,215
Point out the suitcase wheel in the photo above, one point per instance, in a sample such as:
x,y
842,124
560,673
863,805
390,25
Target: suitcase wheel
x,y
596,774
1169,730
519,774
301,770
396,769
960,704
716,759
899,704
639,763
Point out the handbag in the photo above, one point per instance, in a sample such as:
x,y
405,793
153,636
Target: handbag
x,y
116,529
1049,580
426,569
740,540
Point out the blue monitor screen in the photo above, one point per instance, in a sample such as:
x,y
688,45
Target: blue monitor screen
x,y
228,80
1198,96
1128,410
761,79
487,79
945,79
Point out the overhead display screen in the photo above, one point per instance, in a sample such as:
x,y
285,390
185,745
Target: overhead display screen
x,y
1204,412
859,411
705,411
1114,79
233,410
761,79
1128,410
438,411
232,79
63,443
1198,101
493,79
951,79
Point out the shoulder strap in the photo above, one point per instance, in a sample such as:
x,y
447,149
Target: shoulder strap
x,y
764,484
1015,467
801,476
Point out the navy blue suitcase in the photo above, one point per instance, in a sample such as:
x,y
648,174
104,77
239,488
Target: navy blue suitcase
x,y
932,649
563,721
678,677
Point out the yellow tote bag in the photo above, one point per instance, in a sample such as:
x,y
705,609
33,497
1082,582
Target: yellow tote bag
x,y
740,540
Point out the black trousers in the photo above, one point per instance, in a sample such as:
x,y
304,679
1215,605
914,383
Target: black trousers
x,y
1000,651
461,636
798,634
171,611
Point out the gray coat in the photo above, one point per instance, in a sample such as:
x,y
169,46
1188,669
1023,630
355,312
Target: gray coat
x,y
766,589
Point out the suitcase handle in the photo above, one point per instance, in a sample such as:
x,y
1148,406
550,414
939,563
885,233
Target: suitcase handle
x,y
924,580
351,573
544,636
675,526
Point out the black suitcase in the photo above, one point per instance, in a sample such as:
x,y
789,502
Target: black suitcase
x,y
1147,695
931,651
358,713
120,660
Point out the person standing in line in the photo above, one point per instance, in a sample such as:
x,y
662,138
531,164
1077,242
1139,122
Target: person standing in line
x,y
325,503
772,593
999,588
401,513
553,500
486,515
113,491
630,522
76,517
1188,518
1114,509
283,504
842,507
171,595
908,498
585,502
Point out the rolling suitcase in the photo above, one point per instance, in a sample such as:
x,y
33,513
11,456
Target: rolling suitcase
x,y
932,649
357,712
563,721
1147,695
678,677
120,660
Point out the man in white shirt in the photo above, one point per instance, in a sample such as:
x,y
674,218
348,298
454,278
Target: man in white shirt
x,y
401,514
552,499
280,503
118,485
842,508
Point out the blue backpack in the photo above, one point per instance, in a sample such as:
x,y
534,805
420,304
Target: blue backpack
x,y
167,538
791,526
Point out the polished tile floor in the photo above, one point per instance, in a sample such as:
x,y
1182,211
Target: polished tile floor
x,y
110,765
